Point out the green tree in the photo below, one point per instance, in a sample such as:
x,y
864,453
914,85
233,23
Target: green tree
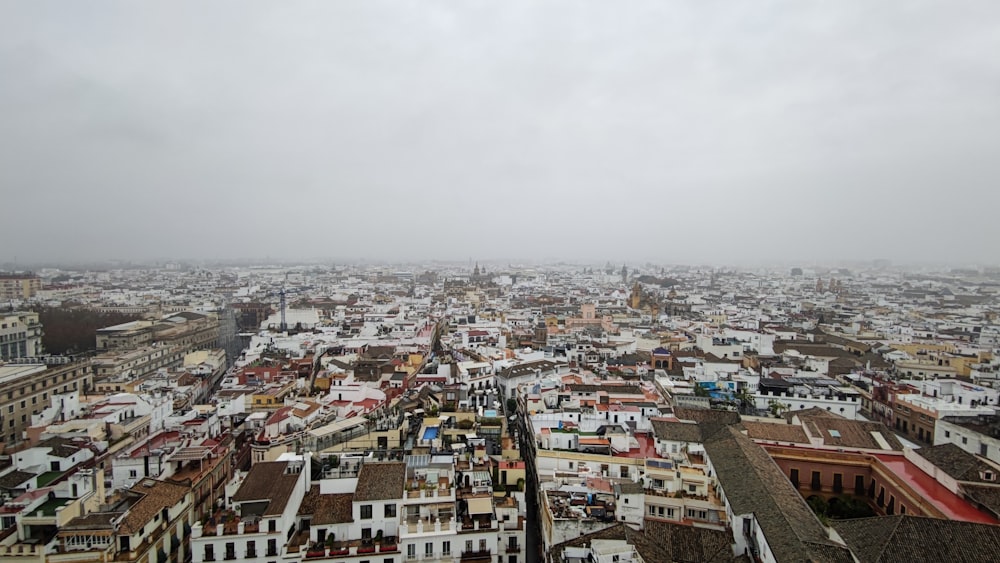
x,y
745,400
777,408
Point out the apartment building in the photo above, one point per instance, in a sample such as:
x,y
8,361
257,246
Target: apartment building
x,y
20,336
187,330
260,516
27,390
19,286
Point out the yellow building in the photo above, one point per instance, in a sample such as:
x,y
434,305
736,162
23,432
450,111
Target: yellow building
x,y
271,397
19,286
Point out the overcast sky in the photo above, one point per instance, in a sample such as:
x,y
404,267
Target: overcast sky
x,y
674,131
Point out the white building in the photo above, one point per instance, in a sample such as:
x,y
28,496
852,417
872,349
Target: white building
x,y
20,336
259,517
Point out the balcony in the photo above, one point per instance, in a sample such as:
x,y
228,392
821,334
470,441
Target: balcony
x,y
228,523
442,522
478,522
478,556
334,549
442,491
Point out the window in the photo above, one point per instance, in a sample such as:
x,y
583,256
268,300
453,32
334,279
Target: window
x,y
468,546
390,511
429,548
272,546
366,512
132,473
272,525
230,550
446,548
209,552
652,511
251,549
411,551
947,434
692,488
965,440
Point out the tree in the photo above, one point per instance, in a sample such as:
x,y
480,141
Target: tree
x,y
511,406
777,408
745,400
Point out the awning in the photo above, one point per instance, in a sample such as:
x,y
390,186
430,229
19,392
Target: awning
x,y
481,505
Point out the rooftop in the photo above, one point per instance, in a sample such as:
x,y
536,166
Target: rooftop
x,y
380,481
953,506
956,462
155,496
753,483
907,538
268,481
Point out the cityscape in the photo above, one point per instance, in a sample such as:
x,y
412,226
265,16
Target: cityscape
x,y
534,281
492,412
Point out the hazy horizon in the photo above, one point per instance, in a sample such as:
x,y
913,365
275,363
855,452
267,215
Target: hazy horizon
x,y
689,132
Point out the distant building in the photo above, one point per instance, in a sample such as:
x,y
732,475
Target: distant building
x,y
188,330
20,336
19,286
27,390
249,316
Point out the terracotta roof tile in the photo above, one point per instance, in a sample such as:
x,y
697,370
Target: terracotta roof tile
x,y
154,496
753,483
956,462
905,539
776,432
380,481
268,481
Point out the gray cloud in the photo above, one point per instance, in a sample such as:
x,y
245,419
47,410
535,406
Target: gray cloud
x,y
694,131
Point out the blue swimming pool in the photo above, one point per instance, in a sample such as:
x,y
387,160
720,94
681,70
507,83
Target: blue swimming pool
x,y
430,433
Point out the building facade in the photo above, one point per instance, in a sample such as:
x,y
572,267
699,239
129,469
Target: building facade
x,y
20,336
19,286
